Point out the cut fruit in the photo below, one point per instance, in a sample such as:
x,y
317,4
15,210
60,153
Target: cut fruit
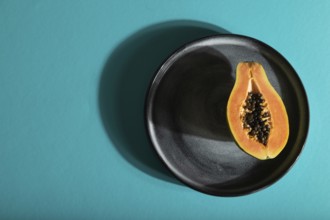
x,y
256,113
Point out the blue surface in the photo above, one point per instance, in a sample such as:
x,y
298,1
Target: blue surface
x,y
69,147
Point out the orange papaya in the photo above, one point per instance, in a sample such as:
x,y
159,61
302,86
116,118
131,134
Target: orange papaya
x,y
256,114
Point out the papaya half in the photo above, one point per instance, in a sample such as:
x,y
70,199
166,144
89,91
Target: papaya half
x,y
256,114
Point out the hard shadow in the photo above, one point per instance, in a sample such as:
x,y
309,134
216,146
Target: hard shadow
x,y
124,84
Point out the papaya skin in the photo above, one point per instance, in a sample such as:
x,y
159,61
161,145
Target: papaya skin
x,y
251,77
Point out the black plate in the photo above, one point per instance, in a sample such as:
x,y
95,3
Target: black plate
x,y
186,115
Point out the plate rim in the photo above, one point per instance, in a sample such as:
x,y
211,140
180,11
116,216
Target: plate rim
x,y
150,92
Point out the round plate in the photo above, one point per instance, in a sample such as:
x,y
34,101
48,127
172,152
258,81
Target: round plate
x,y
186,115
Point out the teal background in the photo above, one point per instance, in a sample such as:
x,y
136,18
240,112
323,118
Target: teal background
x,y
73,75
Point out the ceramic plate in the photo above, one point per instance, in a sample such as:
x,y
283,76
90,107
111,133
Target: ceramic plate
x,y
186,115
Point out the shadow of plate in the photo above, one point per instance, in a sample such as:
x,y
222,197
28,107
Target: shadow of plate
x,y
124,84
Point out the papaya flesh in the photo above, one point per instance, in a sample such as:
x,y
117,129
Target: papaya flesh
x,y
256,113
